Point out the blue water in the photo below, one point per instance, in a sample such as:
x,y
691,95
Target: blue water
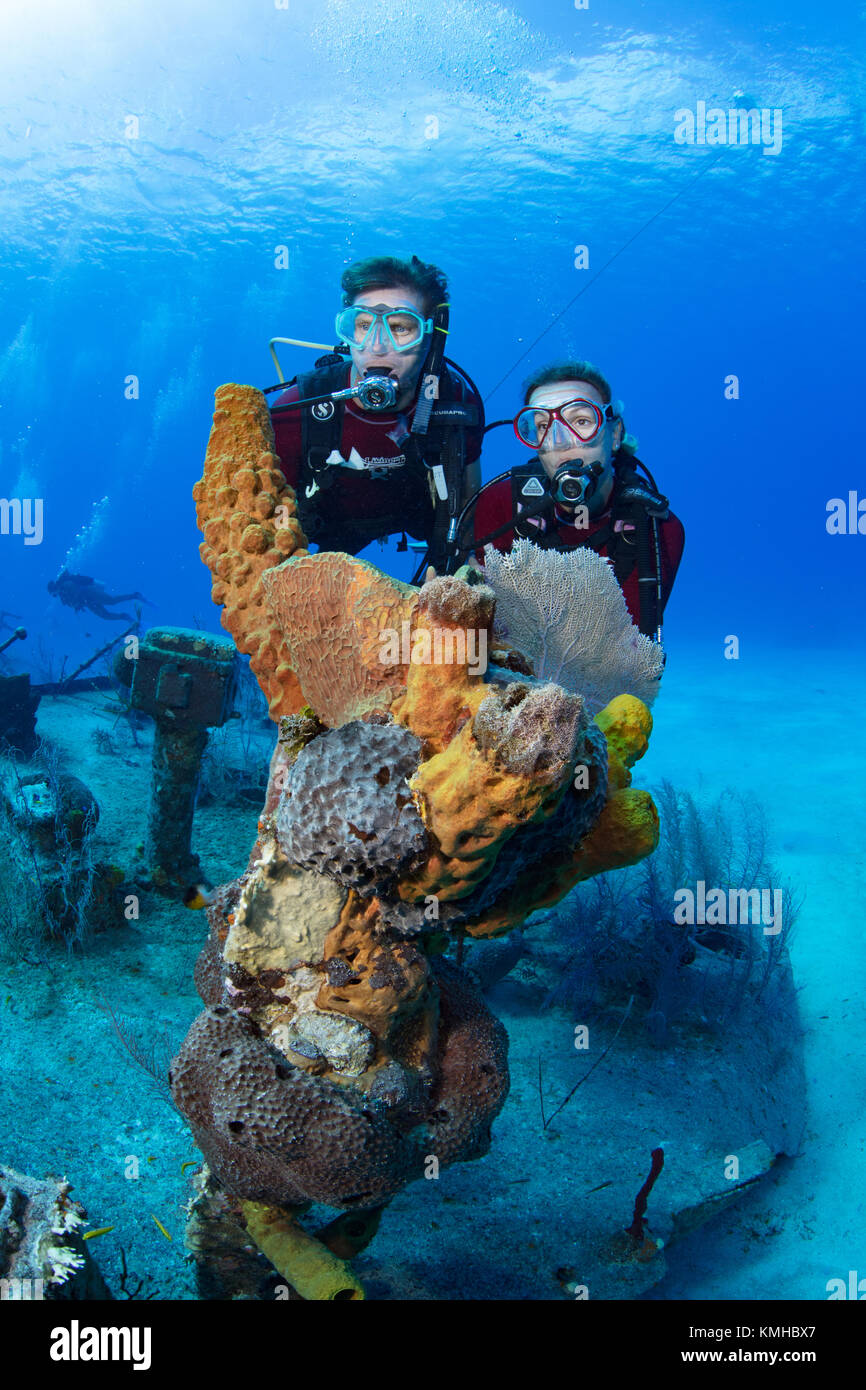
x,y
150,251
260,127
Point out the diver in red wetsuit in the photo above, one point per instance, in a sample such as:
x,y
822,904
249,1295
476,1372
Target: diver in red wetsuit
x,y
583,487
363,469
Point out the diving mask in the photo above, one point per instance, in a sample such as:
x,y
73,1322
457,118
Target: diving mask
x,y
557,427
366,326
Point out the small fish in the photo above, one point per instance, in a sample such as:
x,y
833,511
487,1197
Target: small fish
x,y
190,1163
160,1225
197,896
100,1231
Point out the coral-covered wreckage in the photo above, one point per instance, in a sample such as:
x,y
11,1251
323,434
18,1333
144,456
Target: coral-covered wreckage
x,y
42,1249
409,802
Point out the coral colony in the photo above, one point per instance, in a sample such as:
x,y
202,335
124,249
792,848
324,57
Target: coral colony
x,y
339,1054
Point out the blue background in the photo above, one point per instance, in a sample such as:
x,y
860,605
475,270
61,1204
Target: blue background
x,y
261,127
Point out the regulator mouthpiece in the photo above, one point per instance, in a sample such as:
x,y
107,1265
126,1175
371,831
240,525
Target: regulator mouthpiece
x,y
574,483
376,392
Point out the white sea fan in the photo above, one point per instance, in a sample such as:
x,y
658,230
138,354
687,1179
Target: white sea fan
x,y
566,612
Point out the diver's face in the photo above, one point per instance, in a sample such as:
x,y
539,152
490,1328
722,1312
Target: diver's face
x,y
561,445
405,367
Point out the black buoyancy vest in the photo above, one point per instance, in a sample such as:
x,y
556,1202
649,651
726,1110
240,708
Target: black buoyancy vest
x,y
412,507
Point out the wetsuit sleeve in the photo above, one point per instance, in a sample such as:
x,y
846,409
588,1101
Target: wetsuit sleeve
x,y
492,511
287,437
672,539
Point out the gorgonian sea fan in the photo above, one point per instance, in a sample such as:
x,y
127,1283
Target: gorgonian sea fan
x,y
566,612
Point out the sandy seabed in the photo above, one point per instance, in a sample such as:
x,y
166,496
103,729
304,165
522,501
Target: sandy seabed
x,y
74,1103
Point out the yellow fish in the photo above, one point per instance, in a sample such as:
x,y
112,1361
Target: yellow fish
x,y
197,897
160,1225
100,1231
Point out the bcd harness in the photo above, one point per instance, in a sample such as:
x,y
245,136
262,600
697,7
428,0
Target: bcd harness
x,y
427,489
634,503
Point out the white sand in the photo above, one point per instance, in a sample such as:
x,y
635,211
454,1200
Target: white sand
x,y
789,727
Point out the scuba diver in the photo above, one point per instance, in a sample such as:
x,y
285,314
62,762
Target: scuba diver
x,y
384,435
582,487
79,591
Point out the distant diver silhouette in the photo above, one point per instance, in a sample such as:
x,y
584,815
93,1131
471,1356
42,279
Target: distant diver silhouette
x,y
79,591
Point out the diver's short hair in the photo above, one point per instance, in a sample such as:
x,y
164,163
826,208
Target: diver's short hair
x,y
574,370
387,272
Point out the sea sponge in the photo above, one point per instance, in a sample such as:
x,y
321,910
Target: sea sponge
x,y
383,983
626,724
536,843
339,1051
346,809
248,515
626,830
272,1133
453,618
505,769
313,1270
472,1070
333,612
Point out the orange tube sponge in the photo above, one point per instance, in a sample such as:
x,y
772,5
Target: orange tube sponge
x,y
626,724
248,515
504,769
627,829
305,1262
452,621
